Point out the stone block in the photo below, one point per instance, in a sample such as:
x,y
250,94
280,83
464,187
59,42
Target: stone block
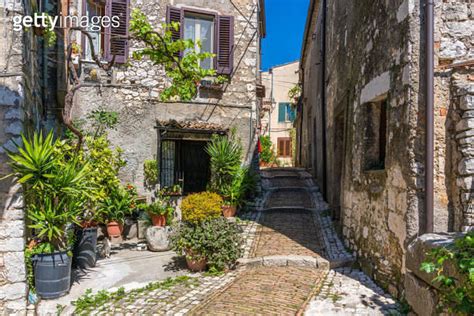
x,y
455,12
275,261
467,141
465,182
466,166
464,125
250,262
416,253
12,244
465,134
11,229
157,238
468,114
467,102
15,267
16,307
13,291
421,297
15,113
15,128
452,48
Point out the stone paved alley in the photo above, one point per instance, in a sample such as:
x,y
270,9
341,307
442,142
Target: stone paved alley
x,y
294,263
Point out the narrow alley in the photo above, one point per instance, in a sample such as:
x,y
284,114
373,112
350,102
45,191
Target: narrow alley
x,y
294,264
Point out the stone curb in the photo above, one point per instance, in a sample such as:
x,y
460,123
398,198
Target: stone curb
x,y
283,261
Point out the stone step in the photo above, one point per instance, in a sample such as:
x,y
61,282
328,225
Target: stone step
x,y
286,260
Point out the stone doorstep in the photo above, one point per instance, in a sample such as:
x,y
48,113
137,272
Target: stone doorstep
x,y
308,189
283,261
286,208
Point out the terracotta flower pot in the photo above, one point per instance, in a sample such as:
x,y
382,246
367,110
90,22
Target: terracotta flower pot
x,y
195,265
229,210
158,220
114,229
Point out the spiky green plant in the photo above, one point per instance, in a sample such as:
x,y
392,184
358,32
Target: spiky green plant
x,y
226,155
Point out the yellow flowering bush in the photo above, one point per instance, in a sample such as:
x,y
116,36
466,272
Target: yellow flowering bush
x,y
201,206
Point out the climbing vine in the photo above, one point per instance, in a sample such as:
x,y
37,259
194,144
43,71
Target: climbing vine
x,y
456,295
184,70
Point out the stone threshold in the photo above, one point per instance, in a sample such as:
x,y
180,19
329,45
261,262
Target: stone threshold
x,y
286,260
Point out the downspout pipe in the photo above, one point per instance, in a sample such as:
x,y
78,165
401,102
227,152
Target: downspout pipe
x,y
429,98
323,95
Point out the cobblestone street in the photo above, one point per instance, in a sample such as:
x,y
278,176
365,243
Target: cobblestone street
x,y
294,264
280,277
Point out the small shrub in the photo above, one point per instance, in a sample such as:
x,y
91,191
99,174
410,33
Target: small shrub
x,y
201,206
150,172
267,155
217,240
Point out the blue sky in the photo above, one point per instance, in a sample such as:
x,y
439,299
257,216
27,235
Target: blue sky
x,y
285,26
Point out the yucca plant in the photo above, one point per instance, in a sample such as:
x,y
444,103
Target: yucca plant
x,y
34,163
54,184
225,155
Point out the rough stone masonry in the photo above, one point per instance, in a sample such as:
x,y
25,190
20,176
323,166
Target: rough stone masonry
x,y
134,90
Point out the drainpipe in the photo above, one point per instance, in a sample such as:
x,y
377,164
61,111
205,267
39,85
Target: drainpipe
x,y
323,95
429,97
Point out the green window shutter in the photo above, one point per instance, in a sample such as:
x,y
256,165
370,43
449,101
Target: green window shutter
x,y
291,113
281,112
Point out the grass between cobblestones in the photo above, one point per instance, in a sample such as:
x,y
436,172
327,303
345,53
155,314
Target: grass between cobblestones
x,y
100,301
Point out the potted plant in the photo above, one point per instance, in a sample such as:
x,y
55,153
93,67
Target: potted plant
x,y
174,190
161,212
114,209
55,190
189,238
212,242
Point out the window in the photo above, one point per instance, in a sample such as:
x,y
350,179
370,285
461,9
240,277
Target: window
x,y
200,28
184,162
284,147
215,32
94,9
107,41
376,135
286,113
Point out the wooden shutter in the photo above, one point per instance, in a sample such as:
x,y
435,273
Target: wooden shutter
x,y
281,112
280,147
225,45
116,38
174,14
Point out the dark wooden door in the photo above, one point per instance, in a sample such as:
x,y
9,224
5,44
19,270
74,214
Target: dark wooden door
x,y
194,166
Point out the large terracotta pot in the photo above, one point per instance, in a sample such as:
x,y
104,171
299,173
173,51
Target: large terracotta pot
x,y
158,220
229,210
195,265
114,229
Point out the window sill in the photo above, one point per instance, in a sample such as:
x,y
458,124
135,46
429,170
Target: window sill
x,y
375,171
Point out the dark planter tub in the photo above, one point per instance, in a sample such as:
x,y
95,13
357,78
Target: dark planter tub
x,y
85,248
52,274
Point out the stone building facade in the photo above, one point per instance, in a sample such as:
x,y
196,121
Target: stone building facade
x,y
133,90
279,113
32,90
21,109
361,124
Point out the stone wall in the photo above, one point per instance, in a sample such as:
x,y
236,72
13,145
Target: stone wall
x,y
133,91
19,108
455,89
375,53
